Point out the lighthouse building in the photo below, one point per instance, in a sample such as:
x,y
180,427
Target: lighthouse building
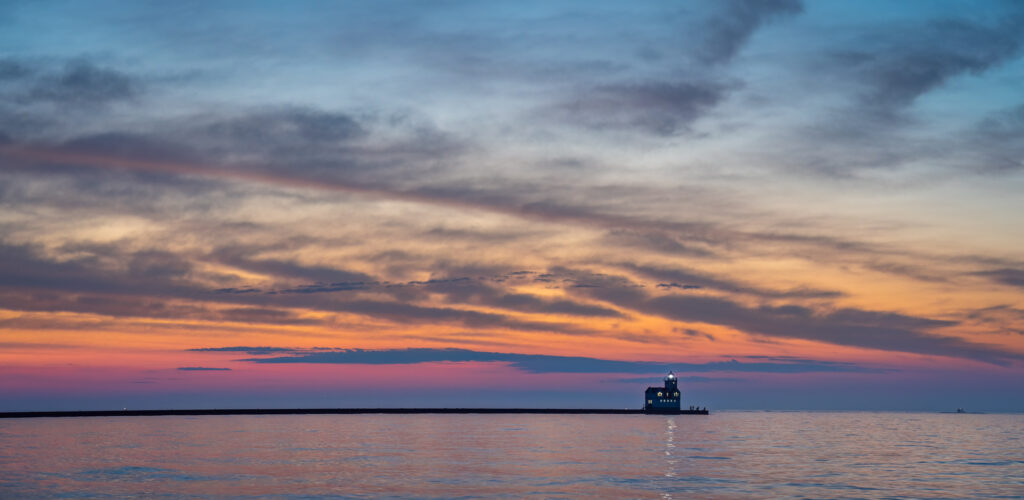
x,y
663,399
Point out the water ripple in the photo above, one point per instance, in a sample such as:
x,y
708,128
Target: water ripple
x,y
725,455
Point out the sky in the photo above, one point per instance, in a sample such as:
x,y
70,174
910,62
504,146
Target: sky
x,y
792,205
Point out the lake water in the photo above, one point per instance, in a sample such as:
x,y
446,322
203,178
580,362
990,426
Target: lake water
x,y
724,455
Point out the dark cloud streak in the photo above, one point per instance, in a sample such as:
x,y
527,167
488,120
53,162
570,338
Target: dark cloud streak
x,y
689,279
1011,277
733,23
541,363
850,327
660,108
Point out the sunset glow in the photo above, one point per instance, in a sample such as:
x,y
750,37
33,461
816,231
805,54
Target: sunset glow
x,y
794,206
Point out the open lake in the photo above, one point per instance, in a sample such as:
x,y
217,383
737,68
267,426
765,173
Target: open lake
x,y
724,455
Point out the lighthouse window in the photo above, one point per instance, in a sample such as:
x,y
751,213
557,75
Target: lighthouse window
x,y
677,394
659,394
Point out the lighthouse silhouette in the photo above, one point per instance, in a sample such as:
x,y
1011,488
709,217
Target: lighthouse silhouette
x,y
663,399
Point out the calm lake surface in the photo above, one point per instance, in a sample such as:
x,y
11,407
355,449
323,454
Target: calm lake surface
x,y
724,455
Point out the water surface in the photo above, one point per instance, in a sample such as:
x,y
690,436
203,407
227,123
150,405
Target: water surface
x,y
724,455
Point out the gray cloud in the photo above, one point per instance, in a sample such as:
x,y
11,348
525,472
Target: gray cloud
x,y
157,264
84,83
22,267
286,134
99,282
531,303
13,69
734,21
477,291
661,108
679,286
487,291
33,345
917,272
1005,126
527,201
402,312
852,327
659,241
242,258
297,145
996,141
256,351
107,280
883,72
540,363
689,279
131,145
898,66
265,315
1011,277
155,305
999,319
87,169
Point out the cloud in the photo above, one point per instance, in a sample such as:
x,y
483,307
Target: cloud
x,y
882,72
527,202
202,369
13,69
130,145
485,291
23,267
660,241
84,83
98,281
660,108
688,279
1005,125
263,315
912,61
281,130
998,319
242,258
32,345
248,350
1011,277
679,286
285,147
850,327
996,143
489,291
531,303
402,312
539,363
108,280
80,84
734,21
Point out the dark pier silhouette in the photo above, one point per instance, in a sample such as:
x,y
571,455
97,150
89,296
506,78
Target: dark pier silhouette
x,y
343,411
659,401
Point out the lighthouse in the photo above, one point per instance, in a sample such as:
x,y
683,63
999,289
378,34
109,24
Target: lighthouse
x,y
663,399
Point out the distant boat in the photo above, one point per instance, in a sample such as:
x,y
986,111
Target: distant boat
x,y
961,410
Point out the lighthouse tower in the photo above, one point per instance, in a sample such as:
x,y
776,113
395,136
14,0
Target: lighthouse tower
x,y
663,399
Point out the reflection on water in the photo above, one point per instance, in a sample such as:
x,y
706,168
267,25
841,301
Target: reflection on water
x,y
724,455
